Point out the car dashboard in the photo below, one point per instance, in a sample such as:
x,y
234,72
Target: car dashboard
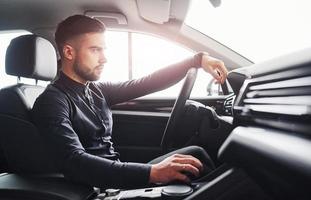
x,y
272,115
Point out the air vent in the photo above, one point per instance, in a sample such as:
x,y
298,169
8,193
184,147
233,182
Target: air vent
x,y
228,104
280,100
289,97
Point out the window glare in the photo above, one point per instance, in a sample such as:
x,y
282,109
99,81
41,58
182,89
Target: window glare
x,y
257,29
149,53
116,52
152,53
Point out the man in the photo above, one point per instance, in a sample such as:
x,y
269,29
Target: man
x,y
74,118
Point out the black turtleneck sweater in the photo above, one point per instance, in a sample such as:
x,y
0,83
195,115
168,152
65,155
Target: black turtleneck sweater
x,y
75,121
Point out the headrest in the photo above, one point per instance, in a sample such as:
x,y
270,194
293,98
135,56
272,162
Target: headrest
x,y
31,56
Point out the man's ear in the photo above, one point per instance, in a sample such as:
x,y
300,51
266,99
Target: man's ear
x,y
68,52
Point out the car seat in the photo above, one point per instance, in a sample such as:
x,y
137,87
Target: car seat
x,y
32,57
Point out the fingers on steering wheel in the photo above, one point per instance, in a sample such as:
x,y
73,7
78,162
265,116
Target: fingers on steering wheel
x,y
222,70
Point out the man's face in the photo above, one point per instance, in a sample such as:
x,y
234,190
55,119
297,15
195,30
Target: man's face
x,y
89,59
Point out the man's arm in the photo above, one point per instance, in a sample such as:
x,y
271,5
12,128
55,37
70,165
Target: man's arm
x,y
161,79
51,114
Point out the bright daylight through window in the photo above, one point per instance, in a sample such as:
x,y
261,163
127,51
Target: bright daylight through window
x,y
257,29
148,53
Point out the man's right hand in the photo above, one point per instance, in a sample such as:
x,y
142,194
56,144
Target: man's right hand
x,y
174,168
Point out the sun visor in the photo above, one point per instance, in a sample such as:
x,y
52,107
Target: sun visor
x,y
154,11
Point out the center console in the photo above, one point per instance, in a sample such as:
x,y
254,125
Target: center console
x,y
213,185
225,182
161,192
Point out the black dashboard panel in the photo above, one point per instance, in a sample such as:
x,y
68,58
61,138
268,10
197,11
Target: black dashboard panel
x,y
280,100
272,116
279,161
238,76
277,95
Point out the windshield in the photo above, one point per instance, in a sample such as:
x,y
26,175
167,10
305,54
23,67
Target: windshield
x,y
256,29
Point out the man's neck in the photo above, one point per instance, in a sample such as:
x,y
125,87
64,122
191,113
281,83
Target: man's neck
x,y
68,71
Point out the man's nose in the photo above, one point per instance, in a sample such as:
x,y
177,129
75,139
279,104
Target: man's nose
x,y
102,59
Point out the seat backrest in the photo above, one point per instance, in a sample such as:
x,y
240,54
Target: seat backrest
x,y
18,100
27,56
33,57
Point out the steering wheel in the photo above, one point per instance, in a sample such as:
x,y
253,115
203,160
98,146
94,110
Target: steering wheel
x,y
178,108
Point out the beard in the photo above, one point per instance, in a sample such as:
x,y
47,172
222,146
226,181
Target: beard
x,y
85,73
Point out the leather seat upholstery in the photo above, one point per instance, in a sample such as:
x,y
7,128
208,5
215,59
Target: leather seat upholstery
x,y
33,57
27,56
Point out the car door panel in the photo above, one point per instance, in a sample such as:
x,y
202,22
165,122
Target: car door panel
x,y
139,126
138,134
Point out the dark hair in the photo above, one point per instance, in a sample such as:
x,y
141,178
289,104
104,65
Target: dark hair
x,y
76,25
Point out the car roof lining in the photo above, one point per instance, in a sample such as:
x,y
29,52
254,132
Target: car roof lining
x,y
41,18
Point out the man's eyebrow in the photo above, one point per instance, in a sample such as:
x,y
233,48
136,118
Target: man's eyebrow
x,y
97,47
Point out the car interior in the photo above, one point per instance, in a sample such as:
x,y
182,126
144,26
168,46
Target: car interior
x,y
255,127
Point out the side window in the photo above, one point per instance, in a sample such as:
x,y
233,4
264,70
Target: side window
x,y
133,55
116,68
151,53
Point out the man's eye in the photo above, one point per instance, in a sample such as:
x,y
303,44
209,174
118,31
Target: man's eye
x,y
95,50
